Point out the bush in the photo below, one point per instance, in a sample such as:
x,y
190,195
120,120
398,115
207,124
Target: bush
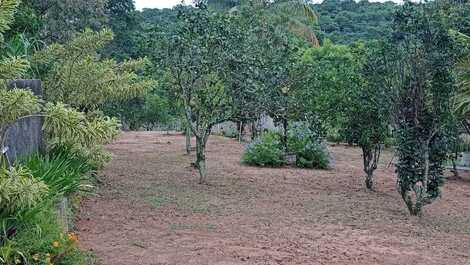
x,y
62,172
307,145
83,134
40,240
19,190
30,232
313,155
264,151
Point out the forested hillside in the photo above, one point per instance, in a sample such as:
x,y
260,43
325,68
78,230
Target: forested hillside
x,y
344,21
347,21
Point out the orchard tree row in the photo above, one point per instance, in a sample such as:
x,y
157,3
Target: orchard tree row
x,y
265,58
239,61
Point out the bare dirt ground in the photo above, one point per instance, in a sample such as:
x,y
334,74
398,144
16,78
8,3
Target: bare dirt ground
x,y
150,210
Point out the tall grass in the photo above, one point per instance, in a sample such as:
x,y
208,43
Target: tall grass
x,y
62,172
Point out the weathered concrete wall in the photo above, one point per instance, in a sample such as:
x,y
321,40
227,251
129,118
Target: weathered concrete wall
x,y
26,136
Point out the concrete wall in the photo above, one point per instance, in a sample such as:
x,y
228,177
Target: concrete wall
x,y
26,136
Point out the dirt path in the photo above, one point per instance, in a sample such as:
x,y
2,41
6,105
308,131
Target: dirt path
x,y
151,211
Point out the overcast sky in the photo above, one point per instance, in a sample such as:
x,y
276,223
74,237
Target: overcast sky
x,y
170,3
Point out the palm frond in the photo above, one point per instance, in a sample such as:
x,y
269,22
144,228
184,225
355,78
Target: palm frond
x,y
462,100
297,8
299,17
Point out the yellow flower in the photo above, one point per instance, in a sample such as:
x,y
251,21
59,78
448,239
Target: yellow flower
x,y
73,237
35,257
48,260
56,244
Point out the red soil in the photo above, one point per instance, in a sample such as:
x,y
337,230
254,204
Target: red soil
x,y
150,210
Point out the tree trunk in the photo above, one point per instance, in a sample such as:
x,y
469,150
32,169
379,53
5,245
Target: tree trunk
x,y
370,180
201,159
240,131
367,158
412,206
370,157
285,125
426,166
454,164
188,140
254,132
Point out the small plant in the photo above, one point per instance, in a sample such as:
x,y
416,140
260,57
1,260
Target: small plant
x,y
61,172
40,241
306,144
264,151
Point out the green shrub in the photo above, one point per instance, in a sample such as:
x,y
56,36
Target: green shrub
x,y
307,146
313,155
30,233
40,240
83,134
62,172
264,151
19,190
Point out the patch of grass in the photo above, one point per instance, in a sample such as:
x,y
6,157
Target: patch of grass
x,y
175,227
185,199
161,200
449,224
339,208
42,238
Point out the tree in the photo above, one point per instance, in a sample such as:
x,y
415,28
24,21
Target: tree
x,y
223,4
123,21
156,111
323,96
198,52
129,112
367,116
74,73
348,21
424,85
294,16
59,20
282,27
